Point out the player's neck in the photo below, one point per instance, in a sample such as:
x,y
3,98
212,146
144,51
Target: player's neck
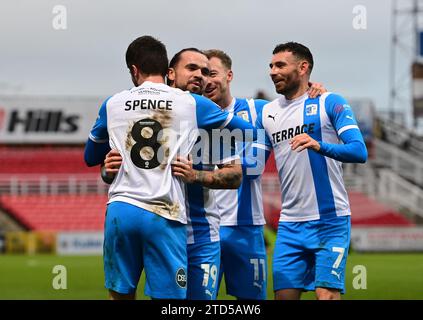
x,y
302,89
152,78
226,100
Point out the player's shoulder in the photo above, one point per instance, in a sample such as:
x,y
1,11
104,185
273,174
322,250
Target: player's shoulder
x,y
180,93
240,104
200,101
271,105
260,102
331,98
267,108
333,103
118,96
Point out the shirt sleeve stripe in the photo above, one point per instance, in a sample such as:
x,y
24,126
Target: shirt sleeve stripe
x,y
97,140
261,146
343,129
228,119
252,106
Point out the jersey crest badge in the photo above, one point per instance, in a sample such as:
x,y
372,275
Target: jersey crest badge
x,y
243,115
311,110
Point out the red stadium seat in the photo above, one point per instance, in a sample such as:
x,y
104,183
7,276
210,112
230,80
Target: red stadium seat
x,y
369,212
43,160
57,212
366,212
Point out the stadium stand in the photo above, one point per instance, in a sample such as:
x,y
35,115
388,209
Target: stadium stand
x,y
57,212
49,187
366,212
398,135
43,160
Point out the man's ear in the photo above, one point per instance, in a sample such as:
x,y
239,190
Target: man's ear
x,y
304,66
134,71
171,74
230,76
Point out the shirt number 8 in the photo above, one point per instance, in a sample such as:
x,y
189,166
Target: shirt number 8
x,y
144,151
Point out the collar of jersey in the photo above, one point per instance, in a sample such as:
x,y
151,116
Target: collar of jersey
x,y
231,106
285,102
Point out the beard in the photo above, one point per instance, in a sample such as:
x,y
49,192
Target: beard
x,y
292,84
189,86
195,89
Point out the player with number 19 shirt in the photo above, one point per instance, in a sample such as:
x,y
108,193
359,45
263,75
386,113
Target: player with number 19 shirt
x,y
149,125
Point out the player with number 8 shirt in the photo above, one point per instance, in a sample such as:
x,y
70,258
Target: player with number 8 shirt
x,y
145,225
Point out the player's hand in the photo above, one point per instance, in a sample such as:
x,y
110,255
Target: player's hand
x,y
315,89
113,162
304,141
182,167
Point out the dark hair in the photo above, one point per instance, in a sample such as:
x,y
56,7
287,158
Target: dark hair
x,y
149,55
174,61
215,53
298,50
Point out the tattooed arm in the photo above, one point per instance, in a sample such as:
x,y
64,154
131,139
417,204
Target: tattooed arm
x,y
228,176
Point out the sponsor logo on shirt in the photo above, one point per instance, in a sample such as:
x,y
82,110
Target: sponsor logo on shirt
x,y
181,278
272,117
290,133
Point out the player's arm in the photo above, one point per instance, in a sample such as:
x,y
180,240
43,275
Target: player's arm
x,y
97,145
255,155
227,176
95,152
253,160
111,166
315,89
353,149
210,116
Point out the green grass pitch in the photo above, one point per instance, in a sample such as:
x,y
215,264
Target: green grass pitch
x,y
389,276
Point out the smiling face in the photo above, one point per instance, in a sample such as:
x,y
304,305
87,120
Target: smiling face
x,y
217,88
286,71
191,72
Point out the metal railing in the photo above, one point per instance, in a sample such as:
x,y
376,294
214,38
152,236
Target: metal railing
x,y
52,184
403,163
397,134
381,185
400,193
361,178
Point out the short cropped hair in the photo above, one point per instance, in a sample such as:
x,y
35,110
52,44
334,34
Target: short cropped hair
x,y
298,50
149,55
215,53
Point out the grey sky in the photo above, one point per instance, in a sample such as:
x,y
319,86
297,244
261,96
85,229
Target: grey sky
x,y
88,57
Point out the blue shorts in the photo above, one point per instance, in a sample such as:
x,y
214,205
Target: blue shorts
x,y
311,254
243,261
203,270
135,239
